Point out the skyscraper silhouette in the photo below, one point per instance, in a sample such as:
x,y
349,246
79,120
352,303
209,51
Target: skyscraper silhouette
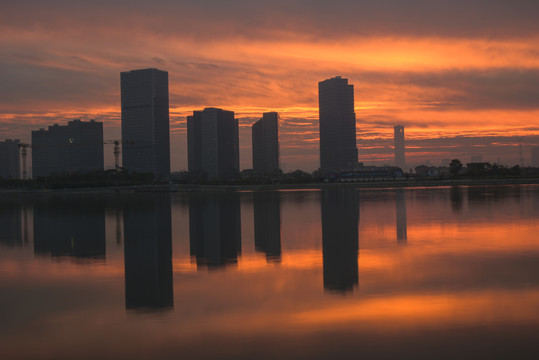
x,y
338,147
265,145
213,142
145,121
535,156
399,146
77,146
10,166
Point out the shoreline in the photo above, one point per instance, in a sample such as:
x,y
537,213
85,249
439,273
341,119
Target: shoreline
x,y
178,188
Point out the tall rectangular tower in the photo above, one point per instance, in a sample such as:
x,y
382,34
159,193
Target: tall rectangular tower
x,y
338,147
145,121
10,165
535,156
399,146
265,145
75,147
213,142
194,142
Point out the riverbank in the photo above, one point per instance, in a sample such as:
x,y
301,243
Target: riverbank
x,y
268,187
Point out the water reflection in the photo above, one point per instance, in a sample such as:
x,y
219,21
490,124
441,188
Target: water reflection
x,y
70,226
215,229
402,224
471,278
148,252
482,195
267,221
457,198
11,222
340,220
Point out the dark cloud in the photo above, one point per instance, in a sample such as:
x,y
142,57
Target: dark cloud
x,y
311,18
496,88
25,85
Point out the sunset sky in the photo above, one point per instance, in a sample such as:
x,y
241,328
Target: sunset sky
x,y
461,75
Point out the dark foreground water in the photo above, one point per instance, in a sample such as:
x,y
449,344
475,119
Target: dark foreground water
x,y
341,273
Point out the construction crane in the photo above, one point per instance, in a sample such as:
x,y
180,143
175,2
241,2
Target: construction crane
x,y
24,153
116,152
116,143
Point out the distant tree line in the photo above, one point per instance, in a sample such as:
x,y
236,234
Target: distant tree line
x,y
246,177
97,178
111,178
488,170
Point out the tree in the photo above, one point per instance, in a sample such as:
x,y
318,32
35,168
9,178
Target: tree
x,y
455,166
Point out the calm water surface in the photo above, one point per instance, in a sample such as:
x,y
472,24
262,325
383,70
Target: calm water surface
x,y
340,273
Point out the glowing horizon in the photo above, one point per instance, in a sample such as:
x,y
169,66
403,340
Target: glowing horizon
x,y
460,87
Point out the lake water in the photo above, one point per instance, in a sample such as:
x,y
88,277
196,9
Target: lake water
x,y
317,274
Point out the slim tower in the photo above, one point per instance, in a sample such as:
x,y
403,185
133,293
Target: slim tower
x,y
338,147
10,166
213,142
145,121
535,156
399,146
265,145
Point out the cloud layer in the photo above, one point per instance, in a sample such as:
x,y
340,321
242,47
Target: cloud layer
x,y
447,71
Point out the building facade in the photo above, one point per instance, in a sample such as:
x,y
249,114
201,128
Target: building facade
x,y
535,156
399,146
338,147
213,142
145,121
10,165
265,143
75,147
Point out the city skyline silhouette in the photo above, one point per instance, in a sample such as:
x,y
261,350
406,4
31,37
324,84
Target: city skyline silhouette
x,y
61,65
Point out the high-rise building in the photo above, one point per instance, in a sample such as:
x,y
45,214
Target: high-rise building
x,y
75,147
145,122
399,146
194,142
213,142
9,159
338,147
265,143
535,156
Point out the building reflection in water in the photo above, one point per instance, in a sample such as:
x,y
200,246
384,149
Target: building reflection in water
x,y
215,229
402,225
267,221
148,252
457,197
340,220
11,222
70,226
